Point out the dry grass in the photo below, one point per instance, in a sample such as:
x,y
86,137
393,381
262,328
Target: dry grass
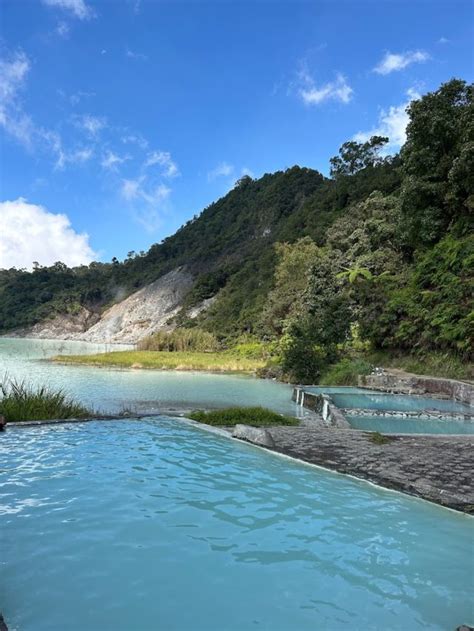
x,y
162,360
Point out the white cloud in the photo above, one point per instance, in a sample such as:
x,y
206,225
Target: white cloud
x,y
338,90
392,62
162,158
148,200
137,56
92,125
13,73
443,40
31,233
135,139
111,160
78,8
223,169
131,188
391,123
62,29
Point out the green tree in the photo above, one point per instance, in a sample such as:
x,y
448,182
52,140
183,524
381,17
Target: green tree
x,y
437,163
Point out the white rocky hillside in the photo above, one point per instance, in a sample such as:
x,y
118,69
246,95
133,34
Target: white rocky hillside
x,y
147,310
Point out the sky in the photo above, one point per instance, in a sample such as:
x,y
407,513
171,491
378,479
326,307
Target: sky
x,y
122,119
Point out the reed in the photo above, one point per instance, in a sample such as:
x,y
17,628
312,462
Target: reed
x,y
20,401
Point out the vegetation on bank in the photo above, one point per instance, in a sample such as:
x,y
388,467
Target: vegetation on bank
x,y
180,340
162,360
376,260
22,402
255,416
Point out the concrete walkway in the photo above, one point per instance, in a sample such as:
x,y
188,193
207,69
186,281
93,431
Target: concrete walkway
x,y
436,468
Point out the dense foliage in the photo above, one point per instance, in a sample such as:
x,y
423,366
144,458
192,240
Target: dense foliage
x,y
379,254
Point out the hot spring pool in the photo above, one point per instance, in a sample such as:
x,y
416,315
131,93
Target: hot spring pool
x,y
397,402
153,524
407,425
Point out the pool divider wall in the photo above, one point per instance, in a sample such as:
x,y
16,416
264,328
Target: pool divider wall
x,y
323,405
414,384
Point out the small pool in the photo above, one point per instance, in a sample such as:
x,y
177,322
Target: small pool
x,y
397,402
153,525
336,390
406,425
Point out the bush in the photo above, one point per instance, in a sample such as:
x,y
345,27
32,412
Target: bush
x,y
22,402
180,340
255,416
346,372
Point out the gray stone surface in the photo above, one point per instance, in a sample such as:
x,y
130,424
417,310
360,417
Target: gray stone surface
x,y
436,468
256,435
399,381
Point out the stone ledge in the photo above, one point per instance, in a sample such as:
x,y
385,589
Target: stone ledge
x,y
255,435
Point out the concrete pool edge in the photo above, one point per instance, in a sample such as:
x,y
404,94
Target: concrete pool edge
x,y
439,478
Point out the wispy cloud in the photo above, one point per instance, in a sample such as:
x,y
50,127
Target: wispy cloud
x,y
393,62
77,8
62,29
134,139
223,169
164,160
111,160
134,55
313,94
392,123
443,40
92,125
15,122
148,200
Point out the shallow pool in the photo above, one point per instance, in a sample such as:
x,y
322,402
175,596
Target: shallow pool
x,y
407,425
398,402
110,390
155,525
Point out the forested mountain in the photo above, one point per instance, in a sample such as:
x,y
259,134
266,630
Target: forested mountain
x,y
381,251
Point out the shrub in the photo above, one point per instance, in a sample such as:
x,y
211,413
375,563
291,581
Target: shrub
x,y
255,416
346,372
22,402
180,340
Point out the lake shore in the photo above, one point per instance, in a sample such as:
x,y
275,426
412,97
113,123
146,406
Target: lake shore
x,y
163,360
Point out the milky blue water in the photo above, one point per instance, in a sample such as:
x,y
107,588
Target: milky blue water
x,y
109,390
154,525
407,425
400,403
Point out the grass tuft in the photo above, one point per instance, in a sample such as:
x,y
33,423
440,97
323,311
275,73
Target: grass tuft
x,y
255,416
379,439
22,402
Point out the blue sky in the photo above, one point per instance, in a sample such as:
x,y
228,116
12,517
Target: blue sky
x,y
120,120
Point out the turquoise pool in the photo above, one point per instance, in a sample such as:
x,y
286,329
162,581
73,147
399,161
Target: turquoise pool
x,y
397,402
155,525
407,425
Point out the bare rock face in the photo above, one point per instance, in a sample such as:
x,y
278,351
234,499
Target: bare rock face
x,y
147,310
256,435
144,312
63,326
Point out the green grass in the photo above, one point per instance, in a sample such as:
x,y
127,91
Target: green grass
x,y
379,439
345,372
444,365
162,360
22,402
256,416
180,340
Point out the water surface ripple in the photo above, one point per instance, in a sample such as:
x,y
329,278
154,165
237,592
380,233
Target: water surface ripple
x,y
152,524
